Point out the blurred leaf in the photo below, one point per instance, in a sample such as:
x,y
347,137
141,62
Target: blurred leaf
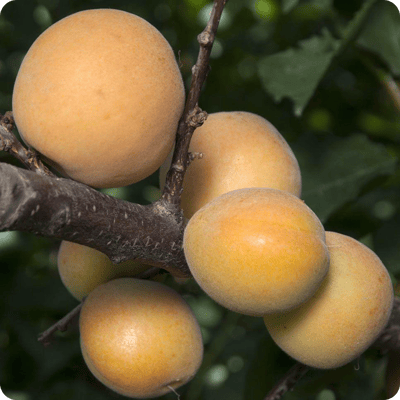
x,y
381,34
361,386
312,10
295,73
268,365
387,244
288,5
350,382
74,390
334,170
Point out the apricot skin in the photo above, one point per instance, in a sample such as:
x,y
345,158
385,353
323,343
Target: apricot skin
x,y
99,94
257,250
240,150
347,313
139,337
82,268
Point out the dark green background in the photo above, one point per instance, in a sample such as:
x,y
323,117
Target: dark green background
x,y
316,70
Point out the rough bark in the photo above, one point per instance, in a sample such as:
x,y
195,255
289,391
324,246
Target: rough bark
x,y
65,209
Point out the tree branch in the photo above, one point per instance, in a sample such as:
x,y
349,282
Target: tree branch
x,y
61,325
69,210
193,116
288,381
10,144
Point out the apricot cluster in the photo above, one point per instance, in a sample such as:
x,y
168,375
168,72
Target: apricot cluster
x,y
257,249
99,95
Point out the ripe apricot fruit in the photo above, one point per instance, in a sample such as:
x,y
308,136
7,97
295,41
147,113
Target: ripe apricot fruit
x,y
99,95
347,313
240,150
82,268
139,338
257,250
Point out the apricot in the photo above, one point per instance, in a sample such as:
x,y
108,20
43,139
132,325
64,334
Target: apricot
x,y
139,337
99,95
347,313
257,250
240,150
82,268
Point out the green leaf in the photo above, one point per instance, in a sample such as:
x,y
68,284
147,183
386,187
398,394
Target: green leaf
x,y
334,170
296,73
381,34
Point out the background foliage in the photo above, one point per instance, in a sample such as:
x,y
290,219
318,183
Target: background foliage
x,y
316,69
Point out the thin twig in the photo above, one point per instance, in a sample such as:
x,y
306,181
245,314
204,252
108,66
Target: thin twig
x,y
10,144
193,116
288,381
62,325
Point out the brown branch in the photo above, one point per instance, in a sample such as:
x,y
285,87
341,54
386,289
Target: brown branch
x,y
193,116
62,325
288,381
10,144
69,210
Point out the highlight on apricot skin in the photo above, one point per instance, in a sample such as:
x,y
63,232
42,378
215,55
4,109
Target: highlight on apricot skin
x,y
82,268
347,313
99,95
139,338
257,250
240,150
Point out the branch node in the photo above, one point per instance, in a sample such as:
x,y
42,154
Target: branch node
x,y
7,120
196,117
195,155
205,38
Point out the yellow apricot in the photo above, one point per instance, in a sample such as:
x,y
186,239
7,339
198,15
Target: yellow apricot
x,y
240,150
347,313
82,268
139,337
99,94
256,250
